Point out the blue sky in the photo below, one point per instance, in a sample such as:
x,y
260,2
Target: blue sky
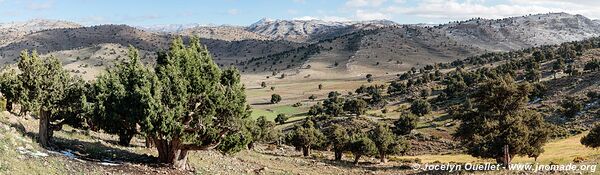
x,y
245,12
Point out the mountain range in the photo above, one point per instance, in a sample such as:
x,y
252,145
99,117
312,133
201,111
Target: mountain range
x,y
304,47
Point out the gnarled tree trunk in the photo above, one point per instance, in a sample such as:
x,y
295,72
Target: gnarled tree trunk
x,y
338,155
506,158
44,132
169,152
306,151
356,159
382,158
125,139
149,142
9,105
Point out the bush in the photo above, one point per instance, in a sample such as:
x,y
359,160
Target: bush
x,y
297,104
420,107
405,124
593,138
571,107
281,118
275,98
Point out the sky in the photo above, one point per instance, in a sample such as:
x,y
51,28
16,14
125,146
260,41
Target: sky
x,y
246,12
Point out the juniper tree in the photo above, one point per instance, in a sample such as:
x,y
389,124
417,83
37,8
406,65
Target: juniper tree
x,y
405,124
420,107
316,109
11,88
356,106
361,145
120,96
386,142
571,107
281,118
199,104
266,131
49,90
592,139
397,88
338,138
275,98
333,106
305,137
500,126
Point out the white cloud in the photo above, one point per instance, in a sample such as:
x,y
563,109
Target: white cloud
x,y
364,3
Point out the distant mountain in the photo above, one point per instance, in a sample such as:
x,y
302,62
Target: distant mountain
x,y
12,31
169,28
267,29
310,30
280,45
397,48
522,32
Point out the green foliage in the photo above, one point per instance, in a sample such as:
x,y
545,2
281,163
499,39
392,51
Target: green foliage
x,y
275,98
305,137
316,109
312,97
195,105
592,139
356,106
281,118
263,84
338,138
46,88
500,118
361,145
333,106
11,88
420,107
266,130
593,65
571,107
538,91
455,86
121,97
386,142
406,123
397,88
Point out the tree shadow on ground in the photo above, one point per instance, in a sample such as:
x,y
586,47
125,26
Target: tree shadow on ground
x,y
98,151
91,151
262,103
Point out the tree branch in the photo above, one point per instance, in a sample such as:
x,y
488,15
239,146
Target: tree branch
x,y
206,147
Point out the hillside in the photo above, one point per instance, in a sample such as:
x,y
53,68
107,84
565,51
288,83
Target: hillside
x,y
10,32
380,47
522,32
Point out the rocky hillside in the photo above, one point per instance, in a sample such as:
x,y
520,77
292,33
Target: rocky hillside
x,y
310,30
398,48
63,39
276,45
522,32
12,31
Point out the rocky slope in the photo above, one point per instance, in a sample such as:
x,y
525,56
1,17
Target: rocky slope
x,y
275,45
12,31
522,32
